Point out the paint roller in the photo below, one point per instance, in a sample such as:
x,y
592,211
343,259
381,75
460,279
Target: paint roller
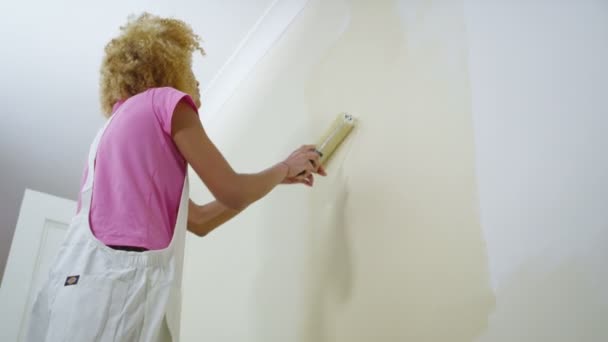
x,y
334,136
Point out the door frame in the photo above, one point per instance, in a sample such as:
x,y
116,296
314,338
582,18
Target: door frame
x,y
37,208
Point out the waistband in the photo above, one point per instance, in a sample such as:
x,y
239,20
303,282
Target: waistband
x,y
82,236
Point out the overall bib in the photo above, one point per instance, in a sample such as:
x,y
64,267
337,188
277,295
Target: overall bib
x,y
96,293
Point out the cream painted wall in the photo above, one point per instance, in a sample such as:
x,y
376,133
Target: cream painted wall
x,y
389,247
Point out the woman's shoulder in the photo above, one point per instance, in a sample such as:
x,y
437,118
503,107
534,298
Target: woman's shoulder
x,y
160,91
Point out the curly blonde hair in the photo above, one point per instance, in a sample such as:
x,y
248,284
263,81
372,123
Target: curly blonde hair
x,y
149,52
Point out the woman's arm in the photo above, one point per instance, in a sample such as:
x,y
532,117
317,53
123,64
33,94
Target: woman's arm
x,y
202,219
234,190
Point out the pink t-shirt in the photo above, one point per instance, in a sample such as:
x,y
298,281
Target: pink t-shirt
x,y
139,173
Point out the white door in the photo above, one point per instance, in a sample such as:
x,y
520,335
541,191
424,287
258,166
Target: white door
x,y
41,227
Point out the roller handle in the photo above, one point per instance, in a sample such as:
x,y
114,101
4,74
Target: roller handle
x,y
303,172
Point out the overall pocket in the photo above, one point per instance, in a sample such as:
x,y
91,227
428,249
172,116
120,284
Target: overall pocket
x,y
87,307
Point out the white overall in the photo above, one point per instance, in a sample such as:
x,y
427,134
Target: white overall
x,y
95,293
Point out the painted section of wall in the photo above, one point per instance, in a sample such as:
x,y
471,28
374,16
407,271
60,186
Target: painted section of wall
x,y
389,247
539,79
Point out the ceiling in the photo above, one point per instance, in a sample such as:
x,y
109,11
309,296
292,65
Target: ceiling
x,y
51,52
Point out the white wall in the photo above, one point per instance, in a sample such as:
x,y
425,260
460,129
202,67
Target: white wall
x,y
539,79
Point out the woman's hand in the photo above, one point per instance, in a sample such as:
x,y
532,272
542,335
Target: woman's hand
x,y
301,164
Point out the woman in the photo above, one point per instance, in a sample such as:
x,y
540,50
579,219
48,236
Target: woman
x,y
118,274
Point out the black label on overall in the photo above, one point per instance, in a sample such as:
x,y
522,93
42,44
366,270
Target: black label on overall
x,y
71,280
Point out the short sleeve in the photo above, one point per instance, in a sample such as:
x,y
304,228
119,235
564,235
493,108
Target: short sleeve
x,y
164,101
